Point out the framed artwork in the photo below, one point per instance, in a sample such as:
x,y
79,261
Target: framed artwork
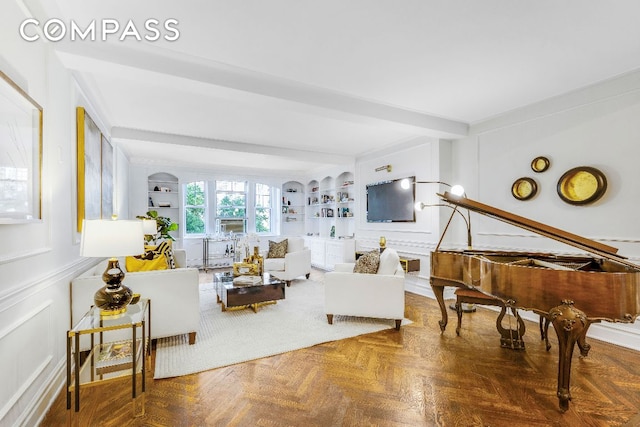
x,y
20,154
107,178
89,140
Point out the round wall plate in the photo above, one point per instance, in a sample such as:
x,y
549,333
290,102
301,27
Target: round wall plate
x,y
524,188
582,185
540,164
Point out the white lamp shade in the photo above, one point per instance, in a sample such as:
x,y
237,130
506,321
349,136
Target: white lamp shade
x,y
149,226
108,238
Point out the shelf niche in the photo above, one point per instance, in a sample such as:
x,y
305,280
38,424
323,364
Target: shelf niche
x,y
163,196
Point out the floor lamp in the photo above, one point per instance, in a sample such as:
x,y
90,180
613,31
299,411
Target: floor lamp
x,y
456,190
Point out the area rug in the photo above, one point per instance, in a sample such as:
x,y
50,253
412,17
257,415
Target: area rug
x,y
227,338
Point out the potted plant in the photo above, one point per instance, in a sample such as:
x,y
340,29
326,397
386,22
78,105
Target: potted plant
x,y
164,224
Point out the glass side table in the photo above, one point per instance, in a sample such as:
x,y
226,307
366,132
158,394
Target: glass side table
x,y
112,360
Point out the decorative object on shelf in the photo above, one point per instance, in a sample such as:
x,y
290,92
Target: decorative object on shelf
x,y
383,243
384,168
540,164
332,233
21,148
156,188
164,226
112,238
524,188
582,185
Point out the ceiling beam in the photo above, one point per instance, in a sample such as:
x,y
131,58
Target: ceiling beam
x,y
105,57
219,144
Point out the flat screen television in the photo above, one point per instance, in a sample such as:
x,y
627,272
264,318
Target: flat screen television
x,y
387,201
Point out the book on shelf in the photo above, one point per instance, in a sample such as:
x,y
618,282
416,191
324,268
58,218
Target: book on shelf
x,y
117,356
246,280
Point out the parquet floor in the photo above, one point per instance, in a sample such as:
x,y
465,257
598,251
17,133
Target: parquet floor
x,y
414,377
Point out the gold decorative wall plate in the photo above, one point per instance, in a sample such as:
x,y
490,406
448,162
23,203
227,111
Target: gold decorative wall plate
x,y
582,185
524,188
540,164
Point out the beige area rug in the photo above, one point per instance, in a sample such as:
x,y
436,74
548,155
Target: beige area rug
x,y
227,338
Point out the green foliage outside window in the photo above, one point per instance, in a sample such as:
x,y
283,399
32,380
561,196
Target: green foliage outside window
x,y
195,208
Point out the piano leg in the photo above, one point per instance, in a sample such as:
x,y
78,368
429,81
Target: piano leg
x,y
571,327
438,291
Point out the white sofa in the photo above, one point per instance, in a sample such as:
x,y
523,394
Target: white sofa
x,y
174,295
296,262
378,295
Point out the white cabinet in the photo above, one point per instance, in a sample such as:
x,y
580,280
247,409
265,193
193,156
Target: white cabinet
x,y
316,246
293,209
326,253
338,251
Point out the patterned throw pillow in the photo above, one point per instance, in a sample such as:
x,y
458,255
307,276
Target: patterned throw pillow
x,y
368,263
164,249
277,250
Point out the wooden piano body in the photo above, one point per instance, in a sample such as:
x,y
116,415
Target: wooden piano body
x,y
572,292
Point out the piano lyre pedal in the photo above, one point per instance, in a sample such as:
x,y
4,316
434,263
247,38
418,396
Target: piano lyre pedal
x,y
569,292
509,338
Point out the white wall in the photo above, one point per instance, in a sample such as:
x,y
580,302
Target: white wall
x,y
39,259
597,126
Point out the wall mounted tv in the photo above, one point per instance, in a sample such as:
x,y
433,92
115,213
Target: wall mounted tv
x,y
387,201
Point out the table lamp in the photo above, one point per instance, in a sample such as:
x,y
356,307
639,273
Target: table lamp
x,y
112,238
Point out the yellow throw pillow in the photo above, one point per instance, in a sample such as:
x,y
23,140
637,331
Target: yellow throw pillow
x,y
137,264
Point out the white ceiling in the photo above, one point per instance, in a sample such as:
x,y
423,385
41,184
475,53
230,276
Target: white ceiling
x,y
291,84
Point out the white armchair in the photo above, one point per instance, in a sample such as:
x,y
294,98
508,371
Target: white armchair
x,y
378,295
296,262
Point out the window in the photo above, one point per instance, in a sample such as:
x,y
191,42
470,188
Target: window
x,y
231,206
195,210
263,208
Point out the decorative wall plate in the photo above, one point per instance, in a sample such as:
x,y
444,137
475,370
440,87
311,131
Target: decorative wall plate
x,y
582,185
540,164
524,188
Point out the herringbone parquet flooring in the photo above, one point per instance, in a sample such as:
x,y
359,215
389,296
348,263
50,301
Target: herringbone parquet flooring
x,y
414,377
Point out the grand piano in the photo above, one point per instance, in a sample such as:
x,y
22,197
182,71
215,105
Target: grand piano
x,y
570,292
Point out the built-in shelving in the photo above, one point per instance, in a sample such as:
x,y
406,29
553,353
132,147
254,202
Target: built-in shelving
x,y
293,209
163,194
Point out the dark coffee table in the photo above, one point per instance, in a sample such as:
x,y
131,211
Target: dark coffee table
x,y
268,291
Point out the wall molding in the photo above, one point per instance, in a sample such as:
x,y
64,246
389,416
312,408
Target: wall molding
x,y
24,255
9,296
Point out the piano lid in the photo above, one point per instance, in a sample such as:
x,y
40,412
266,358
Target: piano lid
x,y
557,234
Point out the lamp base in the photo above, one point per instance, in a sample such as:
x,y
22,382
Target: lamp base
x,y
114,297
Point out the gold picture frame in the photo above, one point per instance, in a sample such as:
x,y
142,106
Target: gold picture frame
x,y
94,170
524,188
20,154
582,185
